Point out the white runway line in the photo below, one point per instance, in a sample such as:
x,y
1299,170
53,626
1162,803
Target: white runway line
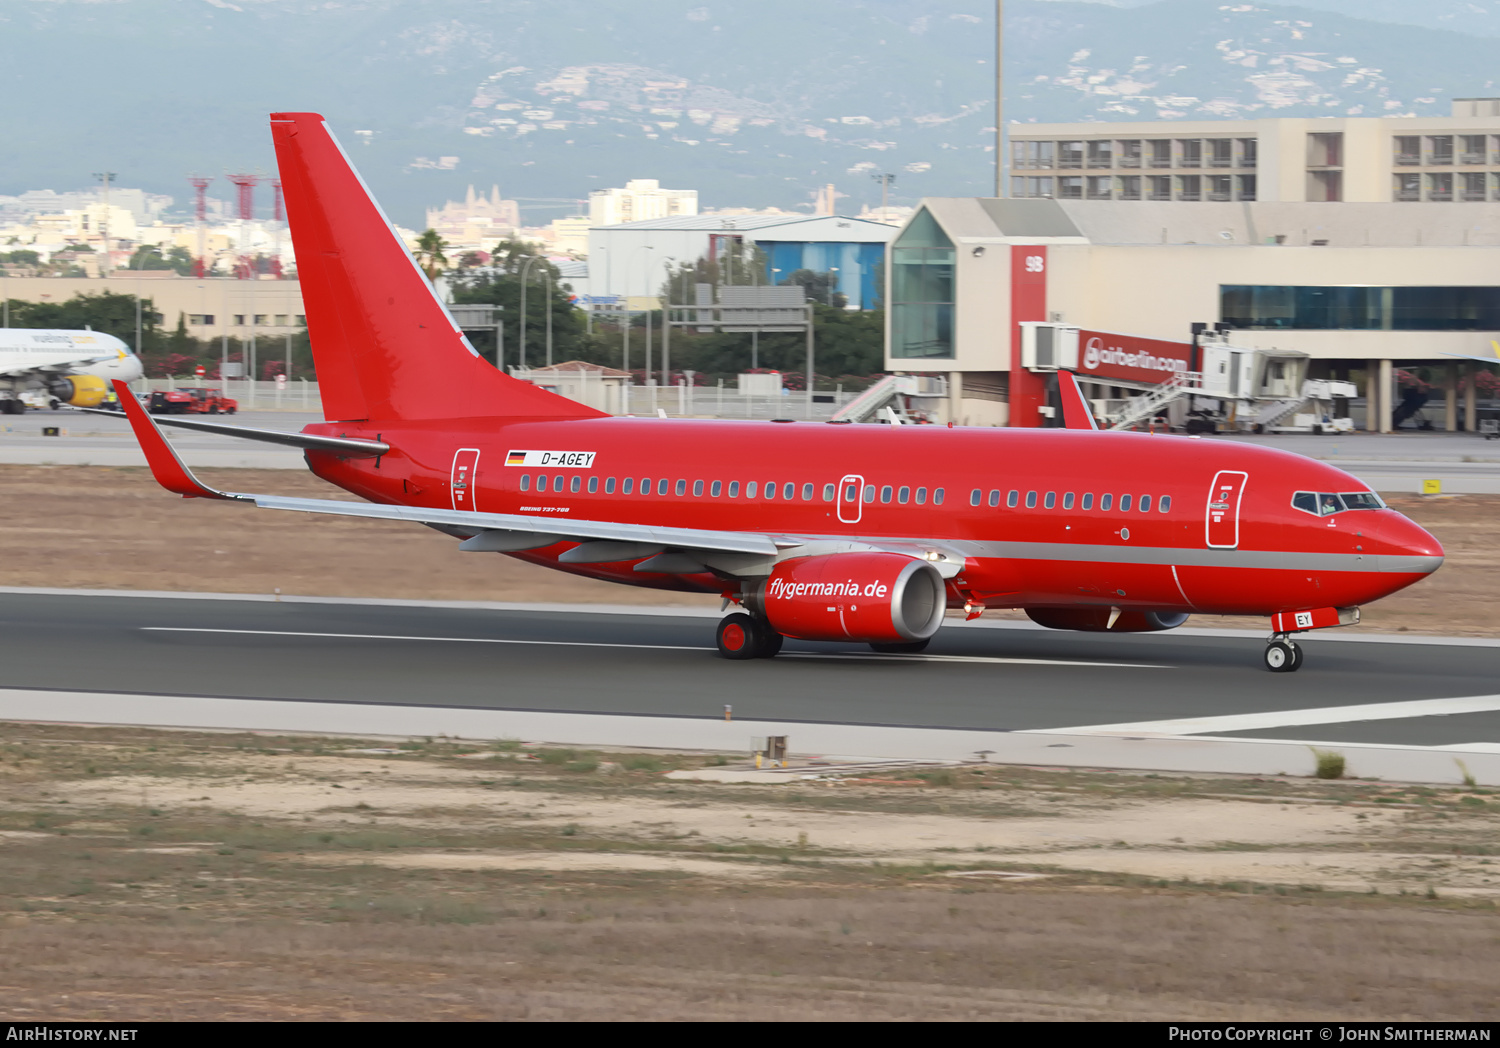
x,y
647,647
1293,718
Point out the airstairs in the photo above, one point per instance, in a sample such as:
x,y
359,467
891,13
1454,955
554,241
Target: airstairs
x,y
1149,405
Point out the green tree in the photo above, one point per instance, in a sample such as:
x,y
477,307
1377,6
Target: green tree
x,y
148,256
429,253
820,287
499,284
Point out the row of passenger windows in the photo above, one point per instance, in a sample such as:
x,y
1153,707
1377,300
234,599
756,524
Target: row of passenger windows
x,y
771,489
1049,501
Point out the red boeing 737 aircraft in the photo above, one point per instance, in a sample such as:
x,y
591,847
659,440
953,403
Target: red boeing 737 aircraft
x,y
818,531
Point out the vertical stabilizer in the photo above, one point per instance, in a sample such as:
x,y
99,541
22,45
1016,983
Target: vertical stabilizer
x,y
384,345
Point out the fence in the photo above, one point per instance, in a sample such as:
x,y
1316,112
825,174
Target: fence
x,y
679,401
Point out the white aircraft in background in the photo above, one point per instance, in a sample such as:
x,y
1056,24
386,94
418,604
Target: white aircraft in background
x,y
68,367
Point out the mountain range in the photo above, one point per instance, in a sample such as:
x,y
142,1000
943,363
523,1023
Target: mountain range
x,y
752,104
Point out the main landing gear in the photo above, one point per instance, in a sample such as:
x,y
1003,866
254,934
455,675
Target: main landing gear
x,y
1282,655
743,636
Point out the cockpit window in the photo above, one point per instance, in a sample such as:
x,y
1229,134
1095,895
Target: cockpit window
x,y
1362,500
1325,503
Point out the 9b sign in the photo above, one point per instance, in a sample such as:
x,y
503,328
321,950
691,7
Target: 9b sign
x,y
1035,263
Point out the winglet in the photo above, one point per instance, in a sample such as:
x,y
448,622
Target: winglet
x,y
166,467
1076,413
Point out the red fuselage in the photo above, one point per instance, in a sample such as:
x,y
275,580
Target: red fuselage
x,y
1210,526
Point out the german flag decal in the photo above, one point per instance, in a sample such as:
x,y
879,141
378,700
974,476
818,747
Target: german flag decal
x,y
552,459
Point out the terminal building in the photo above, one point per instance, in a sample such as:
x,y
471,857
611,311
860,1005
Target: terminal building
x,y
1353,277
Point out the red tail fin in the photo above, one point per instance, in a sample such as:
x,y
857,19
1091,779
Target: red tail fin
x,y
384,346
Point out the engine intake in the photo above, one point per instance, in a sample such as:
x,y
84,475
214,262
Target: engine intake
x,y
1096,620
872,597
82,391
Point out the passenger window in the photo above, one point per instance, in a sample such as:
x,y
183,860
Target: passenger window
x,y
994,497
645,485
715,488
921,496
697,488
575,484
1145,503
1164,504
807,492
975,496
609,485
1068,500
525,481
734,489
937,496
1088,500
869,492
885,493
1050,500
771,489
628,487
903,496
750,490
1031,500
851,493
541,482
557,482
593,485
827,492
681,487
1124,503
1105,501
789,491
1013,500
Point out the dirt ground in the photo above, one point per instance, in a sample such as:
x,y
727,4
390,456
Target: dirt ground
x,y
102,528
186,875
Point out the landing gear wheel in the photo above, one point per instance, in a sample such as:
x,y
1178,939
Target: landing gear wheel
x,y
739,637
1283,656
1297,656
770,641
910,648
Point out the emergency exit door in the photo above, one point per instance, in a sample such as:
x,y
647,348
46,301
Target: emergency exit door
x,y
465,467
850,506
1223,513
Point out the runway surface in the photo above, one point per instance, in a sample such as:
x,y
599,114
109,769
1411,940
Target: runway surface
x,y
648,664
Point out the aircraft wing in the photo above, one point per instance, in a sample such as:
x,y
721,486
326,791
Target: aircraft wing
x,y
1076,411
603,541
1495,359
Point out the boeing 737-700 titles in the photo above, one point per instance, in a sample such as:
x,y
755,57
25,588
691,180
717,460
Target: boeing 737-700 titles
x,y
818,531
68,367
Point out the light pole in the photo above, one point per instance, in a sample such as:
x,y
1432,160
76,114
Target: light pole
x,y
666,326
832,284
525,272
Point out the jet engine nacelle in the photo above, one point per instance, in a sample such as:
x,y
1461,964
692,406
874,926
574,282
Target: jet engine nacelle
x,y
878,598
82,391
1096,620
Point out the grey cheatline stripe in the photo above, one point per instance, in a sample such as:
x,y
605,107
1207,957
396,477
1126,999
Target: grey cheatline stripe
x,y
646,647
1293,718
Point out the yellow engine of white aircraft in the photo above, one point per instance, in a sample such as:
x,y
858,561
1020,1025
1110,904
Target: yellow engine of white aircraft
x,y
82,391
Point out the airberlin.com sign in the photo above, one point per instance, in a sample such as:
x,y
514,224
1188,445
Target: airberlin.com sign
x,y
1130,358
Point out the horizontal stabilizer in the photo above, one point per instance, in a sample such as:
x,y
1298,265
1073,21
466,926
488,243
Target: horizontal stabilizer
x,y
352,447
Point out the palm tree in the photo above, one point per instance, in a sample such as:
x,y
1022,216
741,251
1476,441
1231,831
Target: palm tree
x,y
429,253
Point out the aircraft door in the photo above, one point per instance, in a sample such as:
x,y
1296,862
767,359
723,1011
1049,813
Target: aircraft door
x,y
850,506
1223,514
465,468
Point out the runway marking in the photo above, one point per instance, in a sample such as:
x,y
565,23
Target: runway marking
x,y
1294,718
872,656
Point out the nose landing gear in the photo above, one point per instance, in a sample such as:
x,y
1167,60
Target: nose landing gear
x,y
1283,656
742,636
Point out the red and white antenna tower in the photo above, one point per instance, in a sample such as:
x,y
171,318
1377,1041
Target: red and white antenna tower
x,y
245,184
200,211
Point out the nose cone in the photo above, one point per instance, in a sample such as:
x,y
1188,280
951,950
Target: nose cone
x,y
1401,537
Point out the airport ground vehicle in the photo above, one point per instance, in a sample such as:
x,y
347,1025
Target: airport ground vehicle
x,y
817,531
